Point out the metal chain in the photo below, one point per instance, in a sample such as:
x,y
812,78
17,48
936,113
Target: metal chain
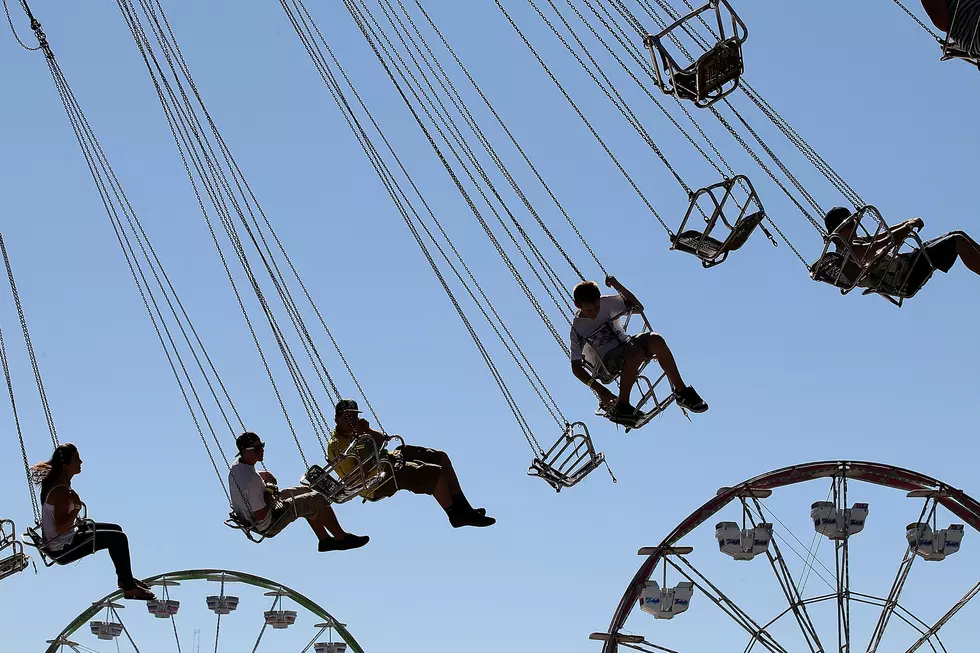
x,y
13,29
581,115
919,21
20,432
315,47
45,405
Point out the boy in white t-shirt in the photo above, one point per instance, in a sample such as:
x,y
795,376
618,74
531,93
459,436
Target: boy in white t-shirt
x,y
598,333
256,498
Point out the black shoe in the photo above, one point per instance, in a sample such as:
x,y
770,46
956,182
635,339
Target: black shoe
x,y
349,541
689,399
458,519
624,414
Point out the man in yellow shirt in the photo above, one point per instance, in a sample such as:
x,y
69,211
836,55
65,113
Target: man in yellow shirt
x,y
417,469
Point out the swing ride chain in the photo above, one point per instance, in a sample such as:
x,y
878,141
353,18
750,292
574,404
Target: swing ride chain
x,y
391,185
605,147
20,432
520,149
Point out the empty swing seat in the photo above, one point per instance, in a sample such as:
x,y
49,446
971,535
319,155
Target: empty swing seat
x,y
732,205
666,602
106,630
934,545
280,619
712,75
571,459
15,560
15,563
838,524
743,543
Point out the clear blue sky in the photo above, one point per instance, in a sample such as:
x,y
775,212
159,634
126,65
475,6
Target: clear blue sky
x,y
793,371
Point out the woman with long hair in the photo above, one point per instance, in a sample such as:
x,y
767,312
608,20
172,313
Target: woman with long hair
x,y
68,539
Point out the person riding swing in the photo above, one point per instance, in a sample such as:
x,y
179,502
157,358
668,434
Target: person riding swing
x,y
597,326
66,537
912,269
258,501
417,469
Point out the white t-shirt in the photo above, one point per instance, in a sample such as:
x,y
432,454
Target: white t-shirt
x,y
602,334
247,491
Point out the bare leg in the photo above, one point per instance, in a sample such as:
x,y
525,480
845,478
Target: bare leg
x,y
969,251
631,369
938,11
327,521
655,345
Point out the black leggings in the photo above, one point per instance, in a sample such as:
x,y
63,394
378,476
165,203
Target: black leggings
x,y
88,540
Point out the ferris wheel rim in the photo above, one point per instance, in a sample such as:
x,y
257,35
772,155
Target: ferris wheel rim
x,y
203,574
956,501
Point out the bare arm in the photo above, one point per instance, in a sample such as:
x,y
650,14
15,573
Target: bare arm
x,y
899,232
364,428
268,477
631,301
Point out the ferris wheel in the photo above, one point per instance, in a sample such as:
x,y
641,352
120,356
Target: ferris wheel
x,y
248,612
805,555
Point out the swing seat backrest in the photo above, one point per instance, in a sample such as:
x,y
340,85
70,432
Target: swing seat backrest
x,y
716,68
732,204
364,473
33,537
15,563
570,459
890,276
716,72
246,527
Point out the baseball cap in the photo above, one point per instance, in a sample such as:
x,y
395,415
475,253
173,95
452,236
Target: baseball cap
x,y
248,440
347,406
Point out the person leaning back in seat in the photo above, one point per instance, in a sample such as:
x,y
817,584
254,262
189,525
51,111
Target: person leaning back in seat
x,y
941,252
597,326
257,500
419,470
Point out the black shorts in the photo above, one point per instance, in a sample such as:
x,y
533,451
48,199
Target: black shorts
x,y
942,255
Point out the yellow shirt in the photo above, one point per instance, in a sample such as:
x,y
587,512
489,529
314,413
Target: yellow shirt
x,y
339,443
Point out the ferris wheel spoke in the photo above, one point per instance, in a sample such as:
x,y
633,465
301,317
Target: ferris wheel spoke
x,y
728,606
888,608
934,630
125,630
899,583
793,593
312,641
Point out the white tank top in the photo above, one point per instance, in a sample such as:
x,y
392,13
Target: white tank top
x,y
55,542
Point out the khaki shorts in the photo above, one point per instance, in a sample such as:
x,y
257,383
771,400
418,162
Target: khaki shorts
x,y
417,469
296,503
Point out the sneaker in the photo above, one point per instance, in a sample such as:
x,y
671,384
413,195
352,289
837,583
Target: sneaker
x,y
624,414
689,399
470,518
349,541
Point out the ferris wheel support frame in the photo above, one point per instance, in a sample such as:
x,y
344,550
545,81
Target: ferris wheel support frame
x,y
204,574
956,501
